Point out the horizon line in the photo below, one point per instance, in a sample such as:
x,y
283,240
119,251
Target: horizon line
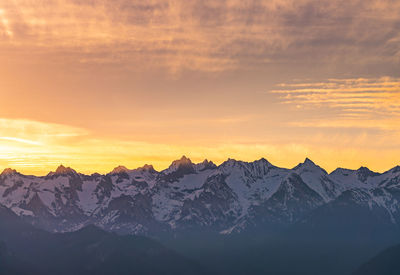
x,y
184,156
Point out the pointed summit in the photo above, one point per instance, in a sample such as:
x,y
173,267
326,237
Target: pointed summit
x,y
179,168
308,164
308,161
264,162
363,173
8,171
182,163
182,160
62,171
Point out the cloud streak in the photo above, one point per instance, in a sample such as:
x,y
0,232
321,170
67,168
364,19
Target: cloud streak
x,y
21,140
357,99
204,35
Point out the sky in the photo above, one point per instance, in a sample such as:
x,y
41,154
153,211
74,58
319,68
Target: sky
x,y
93,84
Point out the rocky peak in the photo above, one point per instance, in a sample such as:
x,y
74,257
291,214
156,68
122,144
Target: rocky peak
x,y
263,163
8,171
206,164
363,173
230,163
183,163
119,169
63,171
308,161
308,165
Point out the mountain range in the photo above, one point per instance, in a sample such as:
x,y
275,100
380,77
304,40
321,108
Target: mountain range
x,y
25,249
234,197
234,218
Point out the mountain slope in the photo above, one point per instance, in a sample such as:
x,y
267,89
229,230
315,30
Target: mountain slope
x,y
387,262
86,251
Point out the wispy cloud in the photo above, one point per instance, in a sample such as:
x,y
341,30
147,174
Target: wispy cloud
x,y
21,140
36,132
369,102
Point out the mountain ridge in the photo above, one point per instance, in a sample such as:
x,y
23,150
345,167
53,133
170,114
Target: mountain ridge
x,y
63,169
232,197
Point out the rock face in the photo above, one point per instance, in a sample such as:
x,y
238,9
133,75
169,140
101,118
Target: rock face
x,y
233,197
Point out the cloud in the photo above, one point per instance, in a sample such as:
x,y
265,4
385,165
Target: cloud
x,y
356,101
204,35
35,132
38,147
21,140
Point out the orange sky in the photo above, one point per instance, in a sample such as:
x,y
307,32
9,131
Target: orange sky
x,y
94,84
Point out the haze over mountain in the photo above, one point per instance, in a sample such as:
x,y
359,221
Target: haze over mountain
x,y
90,250
386,262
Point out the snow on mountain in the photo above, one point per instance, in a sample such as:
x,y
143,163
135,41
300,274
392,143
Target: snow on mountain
x,y
293,199
184,164
226,198
318,179
349,179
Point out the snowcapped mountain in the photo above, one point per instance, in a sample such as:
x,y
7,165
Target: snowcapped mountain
x,y
232,197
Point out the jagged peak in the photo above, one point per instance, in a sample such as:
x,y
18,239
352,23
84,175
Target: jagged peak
x,y
9,171
62,171
309,165
205,164
364,169
206,161
230,162
233,162
363,173
264,161
119,169
182,164
309,161
182,160
146,167
176,164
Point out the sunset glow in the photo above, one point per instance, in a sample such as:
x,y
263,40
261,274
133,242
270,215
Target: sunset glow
x,y
96,84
